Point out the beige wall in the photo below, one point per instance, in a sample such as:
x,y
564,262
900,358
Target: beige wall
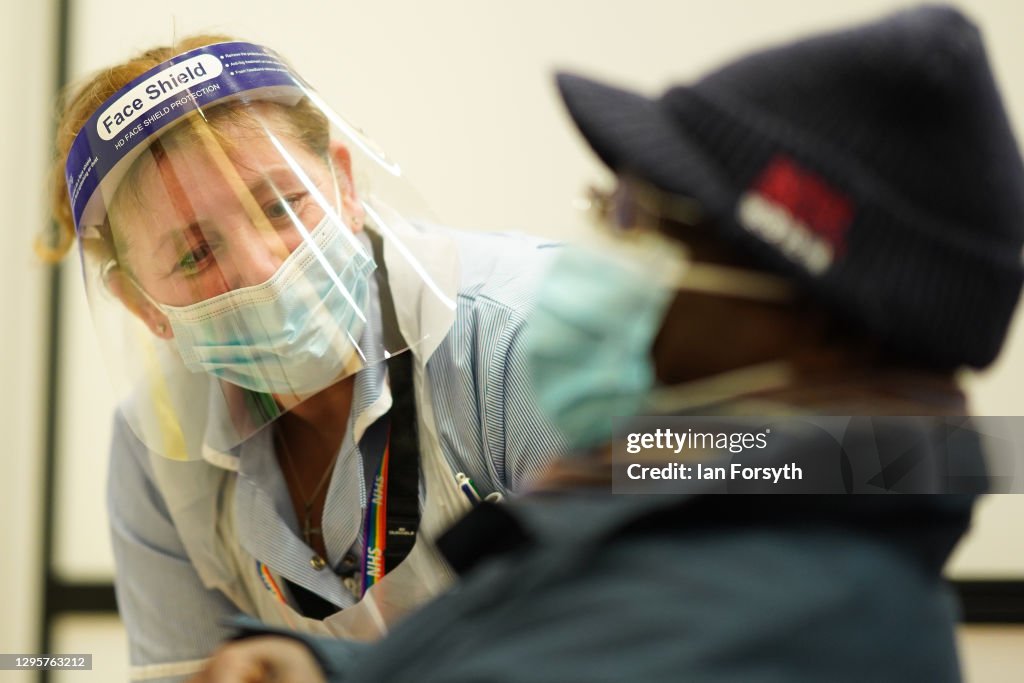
x,y
26,73
992,654
459,92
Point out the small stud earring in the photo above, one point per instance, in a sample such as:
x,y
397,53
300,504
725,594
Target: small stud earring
x,y
161,328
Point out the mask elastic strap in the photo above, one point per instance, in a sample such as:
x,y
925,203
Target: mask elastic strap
x,y
724,386
706,278
112,265
669,263
337,191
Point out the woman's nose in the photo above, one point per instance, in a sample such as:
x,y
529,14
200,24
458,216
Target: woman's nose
x,y
255,255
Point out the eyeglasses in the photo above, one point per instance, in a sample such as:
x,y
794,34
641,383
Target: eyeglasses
x,y
637,205
661,224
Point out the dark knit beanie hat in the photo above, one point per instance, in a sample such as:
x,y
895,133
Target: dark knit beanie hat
x,y
874,165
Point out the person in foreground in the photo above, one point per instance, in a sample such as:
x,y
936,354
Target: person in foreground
x,y
311,380
830,227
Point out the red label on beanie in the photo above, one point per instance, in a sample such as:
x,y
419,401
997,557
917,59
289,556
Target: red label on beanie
x,y
808,198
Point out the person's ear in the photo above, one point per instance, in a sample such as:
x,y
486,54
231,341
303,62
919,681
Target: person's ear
x,y
128,292
341,161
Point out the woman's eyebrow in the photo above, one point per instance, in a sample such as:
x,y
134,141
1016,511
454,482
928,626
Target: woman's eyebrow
x,y
271,178
173,236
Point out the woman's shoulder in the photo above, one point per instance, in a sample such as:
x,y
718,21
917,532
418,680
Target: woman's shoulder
x,y
501,267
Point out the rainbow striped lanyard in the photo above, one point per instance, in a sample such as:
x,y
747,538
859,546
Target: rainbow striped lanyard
x,y
376,539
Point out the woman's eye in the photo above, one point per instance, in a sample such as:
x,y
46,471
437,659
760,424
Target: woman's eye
x,y
283,207
194,259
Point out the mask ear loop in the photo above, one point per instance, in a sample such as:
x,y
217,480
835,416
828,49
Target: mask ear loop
x,y
337,215
668,263
742,283
722,387
337,193
716,280
637,209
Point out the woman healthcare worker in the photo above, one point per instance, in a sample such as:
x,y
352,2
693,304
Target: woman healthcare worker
x,y
299,361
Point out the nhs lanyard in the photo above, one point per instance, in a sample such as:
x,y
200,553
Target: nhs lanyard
x,y
393,507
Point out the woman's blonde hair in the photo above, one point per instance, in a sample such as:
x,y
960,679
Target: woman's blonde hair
x,y
78,104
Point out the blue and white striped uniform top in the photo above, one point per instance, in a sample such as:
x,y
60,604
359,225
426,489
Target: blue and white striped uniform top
x,y
488,426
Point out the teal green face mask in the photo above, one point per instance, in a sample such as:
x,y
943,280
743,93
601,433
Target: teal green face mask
x,y
589,340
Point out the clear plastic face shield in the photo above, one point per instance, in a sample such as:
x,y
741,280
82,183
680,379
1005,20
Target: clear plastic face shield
x,y
243,248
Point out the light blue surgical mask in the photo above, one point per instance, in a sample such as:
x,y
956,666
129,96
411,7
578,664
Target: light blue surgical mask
x,y
296,333
589,340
